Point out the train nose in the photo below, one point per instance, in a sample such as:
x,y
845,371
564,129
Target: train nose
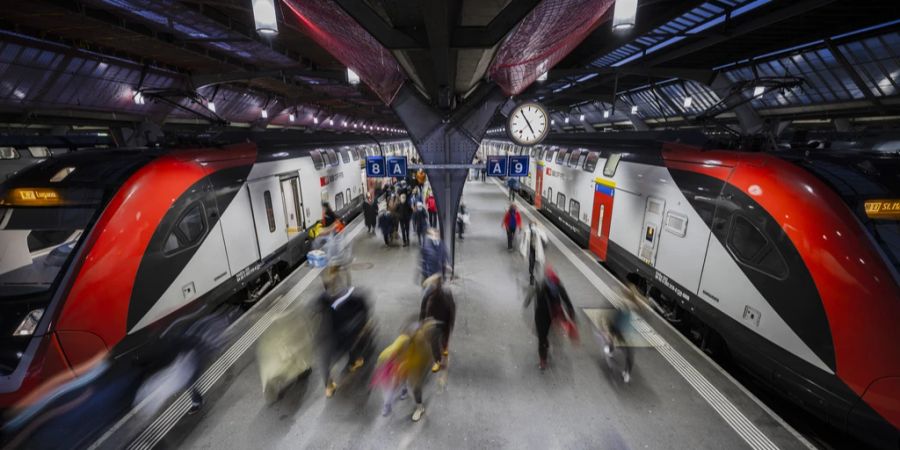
x,y
30,370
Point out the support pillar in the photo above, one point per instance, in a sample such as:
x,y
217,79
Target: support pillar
x,y
453,138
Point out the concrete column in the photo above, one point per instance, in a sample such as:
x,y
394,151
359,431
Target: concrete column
x,y
748,118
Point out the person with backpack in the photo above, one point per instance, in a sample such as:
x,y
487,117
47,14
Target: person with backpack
x,y
511,222
431,206
551,304
345,329
438,304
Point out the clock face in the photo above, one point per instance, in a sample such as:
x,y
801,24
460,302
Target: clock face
x,y
528,124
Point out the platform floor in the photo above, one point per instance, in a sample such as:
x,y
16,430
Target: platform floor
x,y
493,395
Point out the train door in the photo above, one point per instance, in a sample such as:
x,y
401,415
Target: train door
x,y
539,185
293,213
653,217
601,220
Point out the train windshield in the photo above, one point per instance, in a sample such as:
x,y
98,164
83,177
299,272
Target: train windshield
x,y
36,243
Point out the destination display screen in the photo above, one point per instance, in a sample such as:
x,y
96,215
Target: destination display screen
x,y
884,209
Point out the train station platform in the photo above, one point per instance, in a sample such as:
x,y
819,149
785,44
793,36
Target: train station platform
x,y
492,395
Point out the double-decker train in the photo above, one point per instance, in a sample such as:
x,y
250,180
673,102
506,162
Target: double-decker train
x,y
789,262
100,250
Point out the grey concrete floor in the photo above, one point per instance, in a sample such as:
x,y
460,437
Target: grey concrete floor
x,y
492,395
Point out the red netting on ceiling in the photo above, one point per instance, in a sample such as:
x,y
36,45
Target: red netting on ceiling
x,y
549,32
346,40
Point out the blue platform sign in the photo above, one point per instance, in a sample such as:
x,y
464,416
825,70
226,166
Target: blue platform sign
x,y
396,166
375,167
518,166
496,166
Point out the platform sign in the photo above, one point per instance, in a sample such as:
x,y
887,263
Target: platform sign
x,y
375,167
497,166
396,166
518,166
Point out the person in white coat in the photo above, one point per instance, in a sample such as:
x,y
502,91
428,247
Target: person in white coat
x,y
532,247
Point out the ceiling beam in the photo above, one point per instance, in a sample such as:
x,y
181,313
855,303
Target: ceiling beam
x,y
382,31
489,35
200,80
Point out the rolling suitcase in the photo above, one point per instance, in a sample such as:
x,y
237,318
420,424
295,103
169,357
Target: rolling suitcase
x,y
285,351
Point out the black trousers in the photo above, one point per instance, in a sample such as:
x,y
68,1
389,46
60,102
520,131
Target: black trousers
x,y
531,264
404,231
432,219
510,236
440,339
542,324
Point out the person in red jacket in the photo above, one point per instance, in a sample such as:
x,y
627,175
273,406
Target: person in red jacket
x,y
511,222
431,206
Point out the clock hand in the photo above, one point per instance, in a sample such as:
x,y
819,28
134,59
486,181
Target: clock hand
x,y
528,123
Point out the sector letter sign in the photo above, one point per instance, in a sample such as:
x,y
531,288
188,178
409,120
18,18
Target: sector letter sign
x,y
375,167
396,166
518,166
496,166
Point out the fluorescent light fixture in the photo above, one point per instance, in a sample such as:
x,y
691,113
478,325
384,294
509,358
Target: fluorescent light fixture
x,y
138,98
264,16
688,101
759,90
552,122
624,14
352,77
567,119
634,109
581,117
344,123
264,114
211,106
316,120
354,125
291,117
542,77
606,114
330,121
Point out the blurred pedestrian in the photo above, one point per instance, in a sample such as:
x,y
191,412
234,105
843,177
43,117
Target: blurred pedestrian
x,y
405,363
420,178
532,247
462,219
405,216
551,304
438,304
344,330
386,225
420,223
513,184
370,214
614,326
431,206
511,222
329,217
434,255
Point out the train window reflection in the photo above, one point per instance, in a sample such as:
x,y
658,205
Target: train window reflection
x,y
188,231
612,163
270,213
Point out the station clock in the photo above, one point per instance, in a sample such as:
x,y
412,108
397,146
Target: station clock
x,y
528,123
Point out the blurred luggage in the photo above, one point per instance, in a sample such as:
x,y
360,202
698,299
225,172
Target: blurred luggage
x,y
285,351
317,258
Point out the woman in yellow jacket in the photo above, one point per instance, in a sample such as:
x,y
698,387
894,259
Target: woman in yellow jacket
x,y
404,364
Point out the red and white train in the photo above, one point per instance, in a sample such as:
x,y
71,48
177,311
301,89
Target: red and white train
x,y
791,261
100,250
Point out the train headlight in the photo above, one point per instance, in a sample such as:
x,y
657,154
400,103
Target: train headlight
x,y
29,323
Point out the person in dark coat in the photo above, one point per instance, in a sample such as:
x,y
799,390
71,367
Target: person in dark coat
x,y
551,302
329,217
511,222
386,225
434,255
438,304
344,330
420,223
370,214
404,215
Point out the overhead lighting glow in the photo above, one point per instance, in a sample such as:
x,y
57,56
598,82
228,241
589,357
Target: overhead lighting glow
x,y
759,90
542,77
624,14
316,120
264,16
264,114
352,77
634,109
688,101
581,117
291,117
354,125
606,114
330,121
211,106
552,122
138,98
344,123
566,120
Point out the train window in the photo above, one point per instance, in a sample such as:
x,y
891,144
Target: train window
x,y
574,208
550,195
560,200
338,201
750,246
318,161
189,229
551,156
270,213
590,162
331,156
39,152
561,156
8,153
349,196
676,224
581,158
612,163
355,154
345,156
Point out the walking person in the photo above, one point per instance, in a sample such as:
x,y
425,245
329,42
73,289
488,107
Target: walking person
x,y
438,304
386,225
434,255
420,223
345,329
329,217
405,363
405,216
533,246
431,206
370,214
551,303
513,184
462,219
511,222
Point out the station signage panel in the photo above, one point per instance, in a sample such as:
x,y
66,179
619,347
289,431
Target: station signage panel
x,y
396,166
375,167
497,166
518,166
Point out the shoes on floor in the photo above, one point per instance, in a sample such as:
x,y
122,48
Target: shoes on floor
x,y
386,410
196,401
543,364
404,393
418,413
356,365
626,376
436,367
446,352
329,390
607,350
